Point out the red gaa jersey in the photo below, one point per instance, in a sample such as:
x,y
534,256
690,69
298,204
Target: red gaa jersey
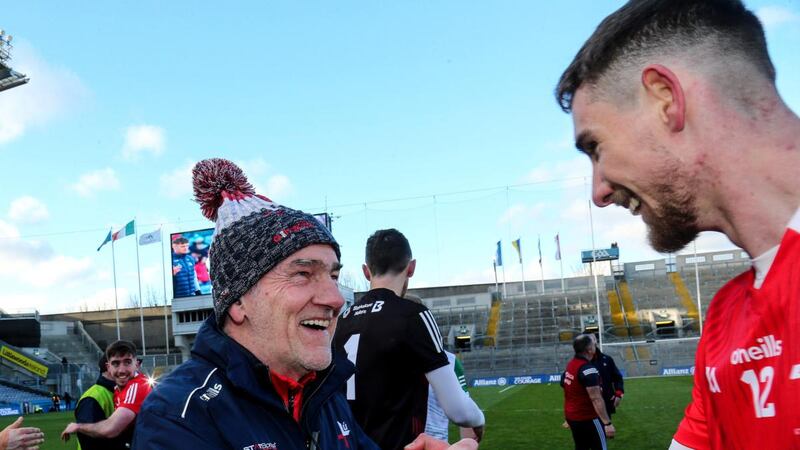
x,y
580,374
133,394
747,378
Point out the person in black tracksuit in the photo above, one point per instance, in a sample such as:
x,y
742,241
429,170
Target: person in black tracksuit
x,y
612,382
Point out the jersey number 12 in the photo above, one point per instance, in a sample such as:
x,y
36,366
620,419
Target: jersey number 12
x,y
763,409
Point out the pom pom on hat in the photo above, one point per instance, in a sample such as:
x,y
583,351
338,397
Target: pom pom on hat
x,y
215,180
252,234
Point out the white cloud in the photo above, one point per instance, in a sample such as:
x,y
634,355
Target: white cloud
x,y
143,138
99,180
569,172
51,93
28,210
178,183
519,215
773,16
278,186
36,264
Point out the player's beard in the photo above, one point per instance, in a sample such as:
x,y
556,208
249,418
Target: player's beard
x,y
673,224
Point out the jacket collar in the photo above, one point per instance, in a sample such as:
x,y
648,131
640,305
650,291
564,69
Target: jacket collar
x,y
249,374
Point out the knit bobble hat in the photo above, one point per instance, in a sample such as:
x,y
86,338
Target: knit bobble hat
x,y
252,234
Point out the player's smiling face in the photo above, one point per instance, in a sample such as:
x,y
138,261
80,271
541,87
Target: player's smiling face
x,y
634,168
122,368
292,312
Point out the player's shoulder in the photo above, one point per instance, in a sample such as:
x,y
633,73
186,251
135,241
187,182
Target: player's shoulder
x,y
588,369
190,385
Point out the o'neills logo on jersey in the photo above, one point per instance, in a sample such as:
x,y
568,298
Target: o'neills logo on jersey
x,y
768,347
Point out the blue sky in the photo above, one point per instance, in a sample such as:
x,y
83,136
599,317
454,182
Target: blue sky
x,y
436,118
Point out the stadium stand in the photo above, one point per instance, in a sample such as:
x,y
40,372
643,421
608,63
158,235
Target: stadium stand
x,y
24,398
648,309
8,77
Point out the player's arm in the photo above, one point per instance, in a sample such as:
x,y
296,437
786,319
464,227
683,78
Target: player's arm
x,y
108,428
589,377
596,395
616,380
457,405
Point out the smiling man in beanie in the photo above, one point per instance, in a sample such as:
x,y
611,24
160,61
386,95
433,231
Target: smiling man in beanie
x,y
262,374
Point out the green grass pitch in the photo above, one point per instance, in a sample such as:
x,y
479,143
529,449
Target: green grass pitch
x,y
525,417
529,417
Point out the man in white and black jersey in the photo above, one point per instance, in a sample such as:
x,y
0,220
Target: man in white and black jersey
x,y
397,349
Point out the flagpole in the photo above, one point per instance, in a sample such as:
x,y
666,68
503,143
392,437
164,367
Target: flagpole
x,y
522,268
164,278
541,266
560,261
116,300
504,281
139,280
496,286
594,274
697,284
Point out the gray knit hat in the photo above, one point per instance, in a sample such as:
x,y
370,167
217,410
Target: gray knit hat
x,y
253,234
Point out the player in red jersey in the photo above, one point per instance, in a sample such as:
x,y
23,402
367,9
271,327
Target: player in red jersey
x,y
584,407
676,105
131,389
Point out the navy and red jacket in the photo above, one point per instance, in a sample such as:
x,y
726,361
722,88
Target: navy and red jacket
x,y
223,399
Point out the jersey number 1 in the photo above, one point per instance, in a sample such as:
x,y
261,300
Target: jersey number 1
x,y
763,409
351,348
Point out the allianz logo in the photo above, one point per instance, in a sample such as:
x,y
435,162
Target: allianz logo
x,y
768,347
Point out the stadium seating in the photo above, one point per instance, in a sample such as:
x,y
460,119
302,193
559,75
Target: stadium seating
x,y
17,395
534,331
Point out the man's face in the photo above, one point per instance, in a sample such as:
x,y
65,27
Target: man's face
x,y
292,311
633,167
122,368
180,248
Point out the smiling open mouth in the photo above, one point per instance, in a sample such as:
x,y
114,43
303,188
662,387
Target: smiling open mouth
x,y
633,206
316,324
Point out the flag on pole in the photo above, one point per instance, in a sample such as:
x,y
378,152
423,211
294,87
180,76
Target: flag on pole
x,y
498,257
150,238
126,231
540,250
106,241
558,248
516,245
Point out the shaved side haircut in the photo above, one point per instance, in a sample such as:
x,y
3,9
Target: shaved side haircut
x,y
720,38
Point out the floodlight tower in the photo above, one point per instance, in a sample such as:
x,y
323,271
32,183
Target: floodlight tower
x,y
8,77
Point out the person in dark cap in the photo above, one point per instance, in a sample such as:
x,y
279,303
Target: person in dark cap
x,y
262,373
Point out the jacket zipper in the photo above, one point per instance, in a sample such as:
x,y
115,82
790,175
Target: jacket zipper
x,y
314,436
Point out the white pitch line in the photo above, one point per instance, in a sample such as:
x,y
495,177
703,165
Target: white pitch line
x,y
505,389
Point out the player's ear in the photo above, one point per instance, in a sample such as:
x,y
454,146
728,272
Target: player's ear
x,y
237,313
663,90
412,266
365,270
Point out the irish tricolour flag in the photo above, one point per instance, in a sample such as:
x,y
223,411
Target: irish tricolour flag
x,y
127,230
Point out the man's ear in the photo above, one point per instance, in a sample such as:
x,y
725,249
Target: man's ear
x,y
237,313
366,272
412,266
664,90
